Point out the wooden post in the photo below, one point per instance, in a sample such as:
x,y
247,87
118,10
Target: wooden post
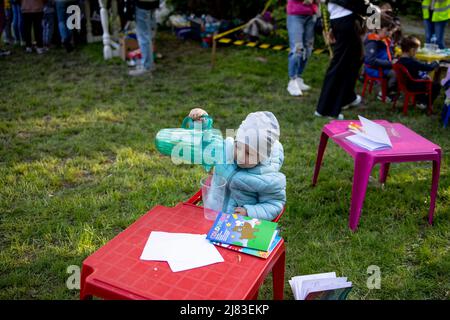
x,y
214,49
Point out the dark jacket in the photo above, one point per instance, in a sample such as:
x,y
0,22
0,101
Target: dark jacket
x,y
415,67
378,54
147,4
356,6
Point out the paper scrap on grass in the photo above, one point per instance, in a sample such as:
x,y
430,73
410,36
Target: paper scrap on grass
x,y
182,251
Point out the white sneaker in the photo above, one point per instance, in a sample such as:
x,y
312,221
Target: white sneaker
x,y
339,117
355,103
139,71
318,114
302,85
40,50
28,50
294,89
421,106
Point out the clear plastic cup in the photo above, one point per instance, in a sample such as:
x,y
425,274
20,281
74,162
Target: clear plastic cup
x,y
213,195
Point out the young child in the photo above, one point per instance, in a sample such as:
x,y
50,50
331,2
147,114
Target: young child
x,y
378,54
417,70
251,167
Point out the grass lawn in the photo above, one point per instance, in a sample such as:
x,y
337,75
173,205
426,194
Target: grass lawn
x,y
78,165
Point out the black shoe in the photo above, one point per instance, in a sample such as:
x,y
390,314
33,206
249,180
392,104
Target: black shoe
x,y
68,46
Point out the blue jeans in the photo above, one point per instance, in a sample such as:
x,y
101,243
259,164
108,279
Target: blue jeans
x,y
301,42
61,12
17,22
144,36
47,27
437,29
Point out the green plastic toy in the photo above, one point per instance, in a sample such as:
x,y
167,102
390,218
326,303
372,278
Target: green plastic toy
x,y
196,142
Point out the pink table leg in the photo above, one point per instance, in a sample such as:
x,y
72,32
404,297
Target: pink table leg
x,y
278,277
363,168
320,152
434,186
384,169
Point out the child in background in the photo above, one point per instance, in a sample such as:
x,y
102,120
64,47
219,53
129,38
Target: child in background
x,y
32,13
378,54
48,23
418,70
446,85
251,167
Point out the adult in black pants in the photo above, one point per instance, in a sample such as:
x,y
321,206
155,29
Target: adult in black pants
x,y
338,89
33,12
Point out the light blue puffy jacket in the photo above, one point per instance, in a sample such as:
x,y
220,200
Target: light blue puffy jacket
x,y
261,190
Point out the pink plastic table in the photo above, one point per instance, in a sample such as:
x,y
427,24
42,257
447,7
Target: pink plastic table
x,y
116,272
408,146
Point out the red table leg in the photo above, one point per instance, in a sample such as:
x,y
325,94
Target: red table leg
x,y
363,168
320,152
434,186
384,169
84,291
278,277
255,296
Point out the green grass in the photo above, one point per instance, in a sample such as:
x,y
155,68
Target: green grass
x,y
78,165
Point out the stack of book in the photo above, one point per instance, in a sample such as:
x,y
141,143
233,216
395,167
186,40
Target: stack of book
x,y
244,234
321,286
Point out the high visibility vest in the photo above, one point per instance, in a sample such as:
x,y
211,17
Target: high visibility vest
x,y
441,10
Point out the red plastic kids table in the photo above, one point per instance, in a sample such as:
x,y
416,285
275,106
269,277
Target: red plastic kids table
x,y
116,272
408,146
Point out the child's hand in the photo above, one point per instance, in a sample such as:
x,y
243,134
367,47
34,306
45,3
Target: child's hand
x,y
196,113
240,211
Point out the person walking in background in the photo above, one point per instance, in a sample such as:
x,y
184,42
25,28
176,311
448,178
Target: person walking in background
x,y
65,33
144,16
17,23
301,20
8,22
436,14
48,23
338,89
32,13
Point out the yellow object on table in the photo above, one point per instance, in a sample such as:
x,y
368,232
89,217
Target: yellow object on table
x,y
430,57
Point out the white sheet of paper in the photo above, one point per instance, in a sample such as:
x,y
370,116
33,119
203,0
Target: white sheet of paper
x,y
374,137
297,282
182,251
365,143
375,131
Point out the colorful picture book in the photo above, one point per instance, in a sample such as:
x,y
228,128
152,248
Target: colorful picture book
x,y
253,252
321,286
243,231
